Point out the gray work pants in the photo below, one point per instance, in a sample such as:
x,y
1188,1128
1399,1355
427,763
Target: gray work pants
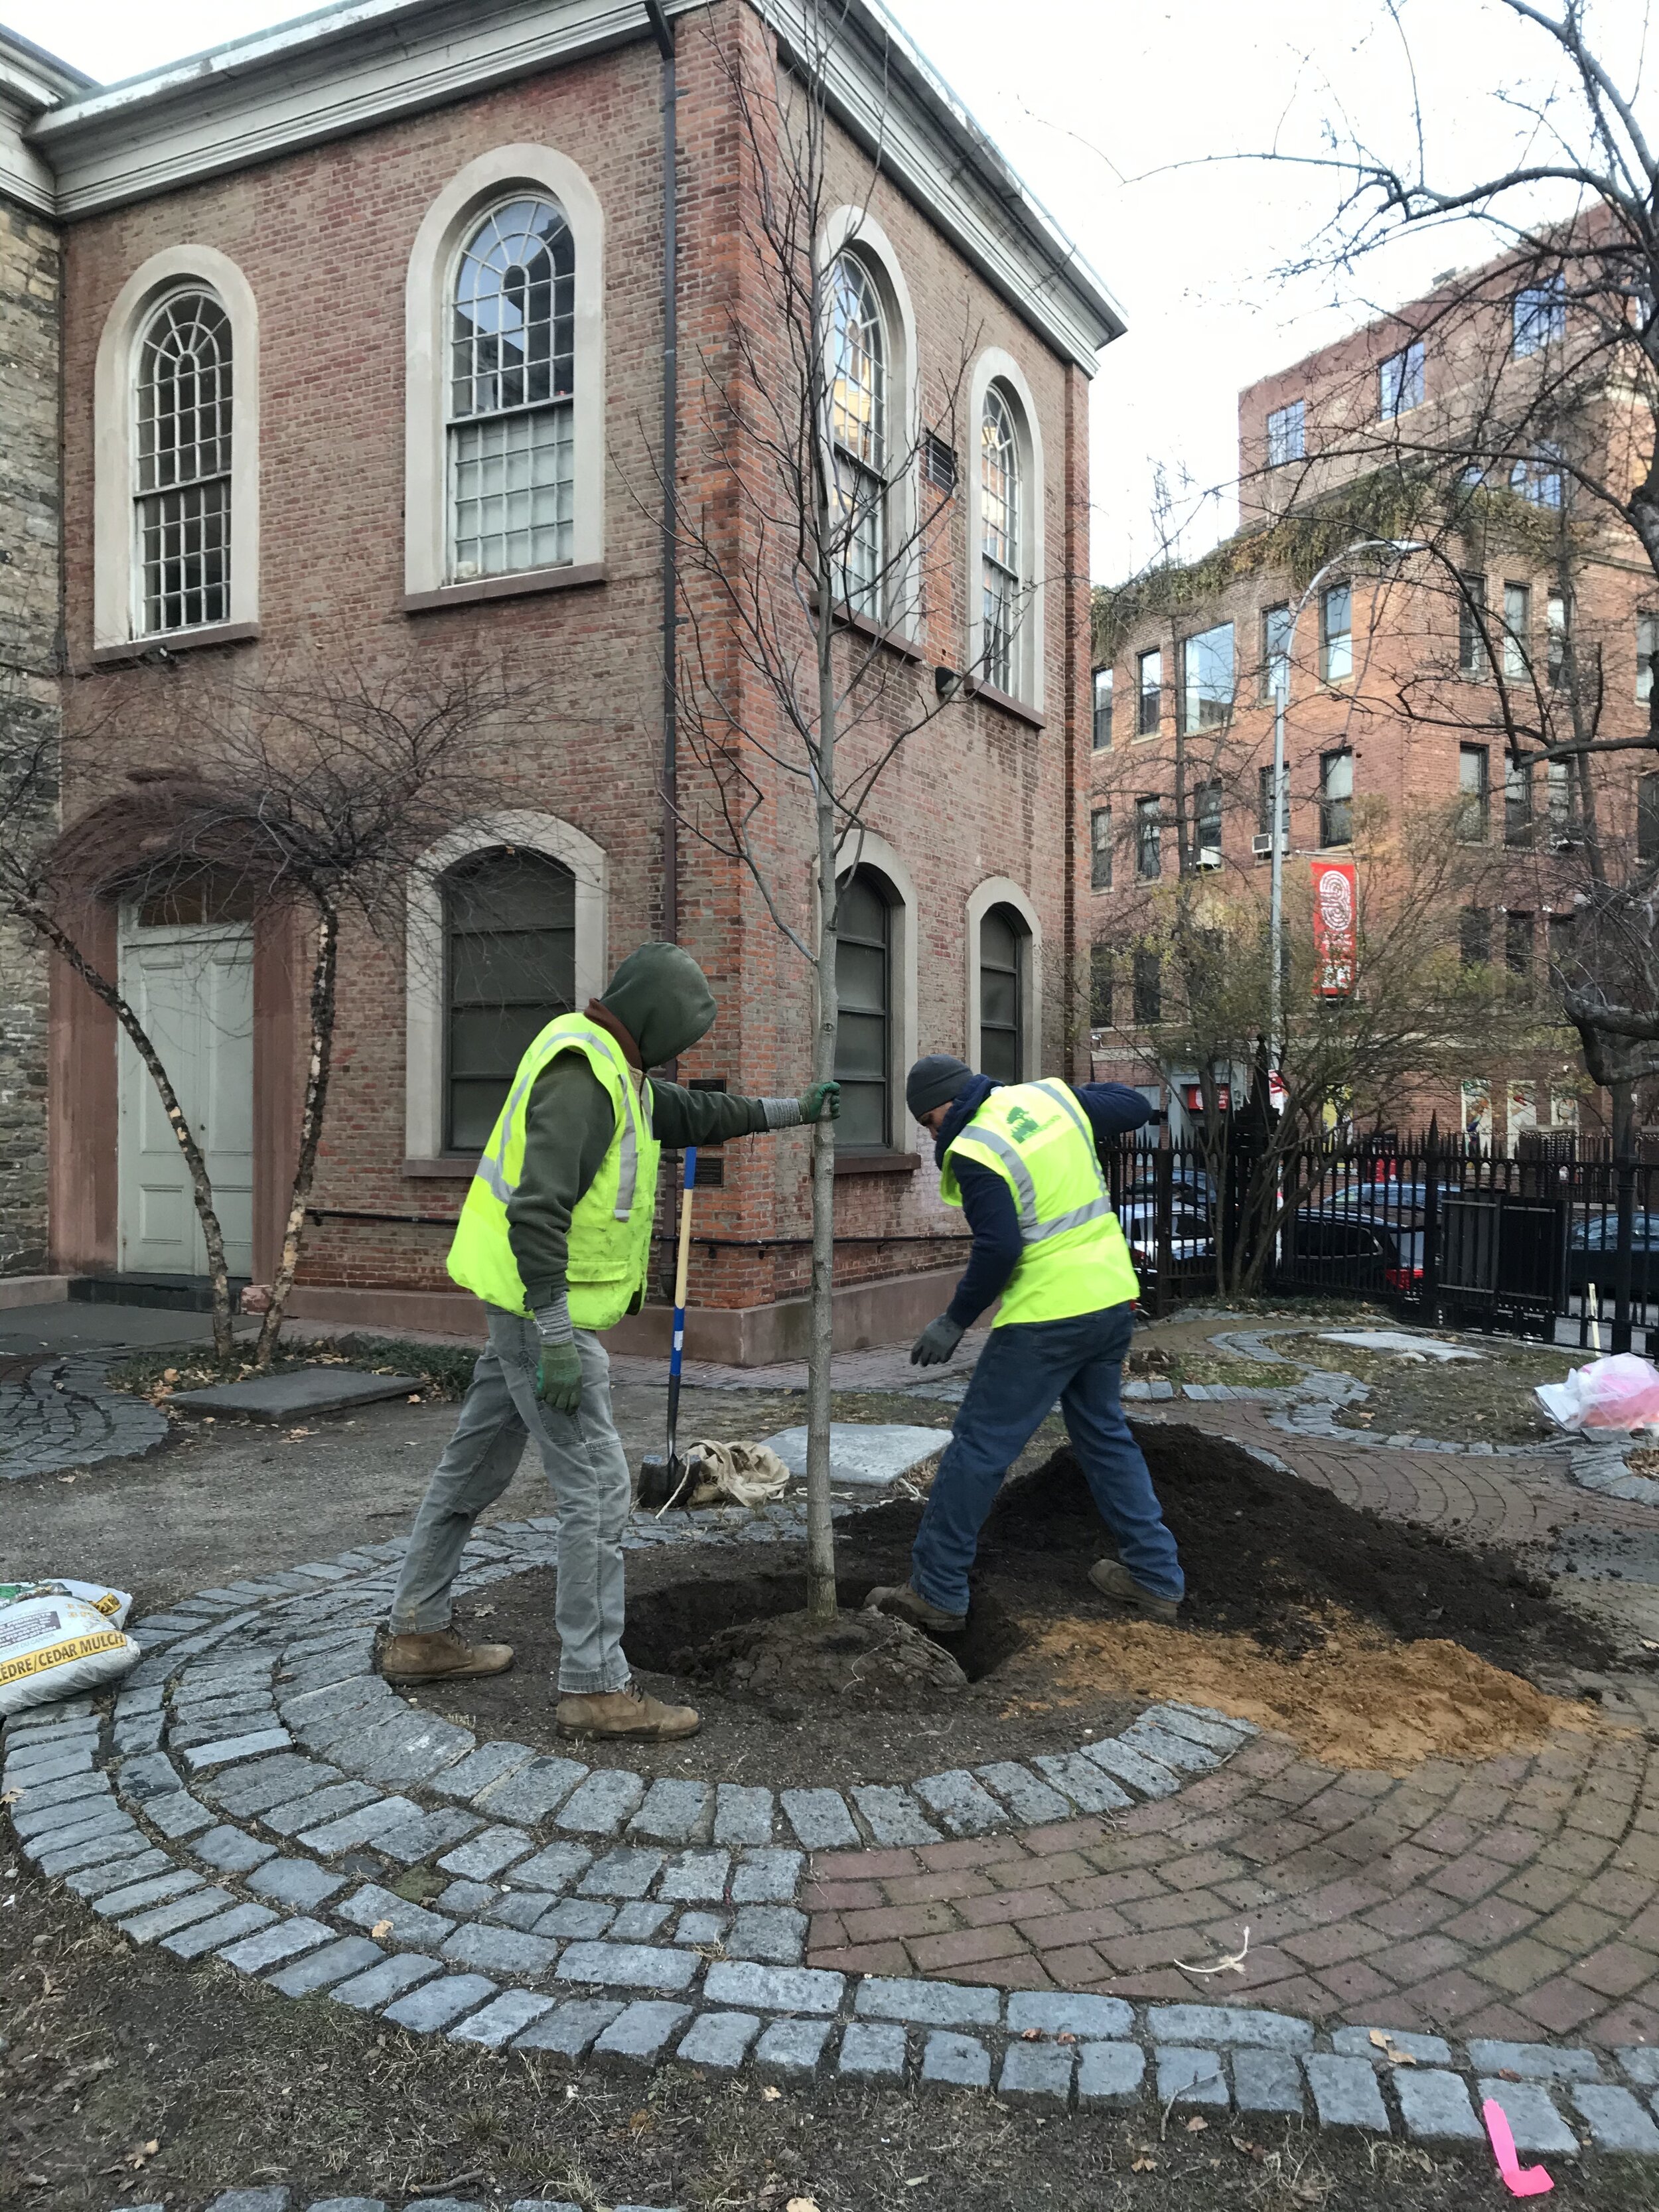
x,y
586,1471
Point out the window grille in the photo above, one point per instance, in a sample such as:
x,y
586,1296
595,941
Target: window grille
x,y
1000,543
939,462
1001,995
183,490
510,948
511,442
858,435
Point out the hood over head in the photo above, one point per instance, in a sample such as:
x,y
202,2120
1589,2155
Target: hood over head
x,y
662,998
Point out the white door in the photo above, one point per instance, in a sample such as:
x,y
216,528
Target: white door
x,y
192,988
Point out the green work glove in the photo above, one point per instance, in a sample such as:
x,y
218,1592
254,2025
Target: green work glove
x,y
559,1377
936,1343
820,1102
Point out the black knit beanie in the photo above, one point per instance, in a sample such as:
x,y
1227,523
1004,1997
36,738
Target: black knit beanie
x,y
934,1081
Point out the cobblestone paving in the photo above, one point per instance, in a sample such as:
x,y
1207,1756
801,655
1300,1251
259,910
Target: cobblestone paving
x,y
59,1414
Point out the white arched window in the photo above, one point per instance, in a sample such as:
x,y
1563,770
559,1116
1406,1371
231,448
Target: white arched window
x,y
512,463
1005,981
176,454
183,491
1000,545
858,434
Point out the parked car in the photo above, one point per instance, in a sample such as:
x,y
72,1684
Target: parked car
x,y
1356,1247
1593,1253
1190,1234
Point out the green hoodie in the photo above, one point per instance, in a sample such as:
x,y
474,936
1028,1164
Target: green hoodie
x,y
661,998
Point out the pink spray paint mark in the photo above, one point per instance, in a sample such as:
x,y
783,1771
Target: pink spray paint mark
x,y
1520,2180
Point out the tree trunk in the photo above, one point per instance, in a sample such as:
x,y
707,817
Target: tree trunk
x,y
324,959
224,1341
820,1530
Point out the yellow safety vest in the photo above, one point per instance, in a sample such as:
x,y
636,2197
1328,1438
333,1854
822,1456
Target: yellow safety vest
x,y
611,1228
1037,1137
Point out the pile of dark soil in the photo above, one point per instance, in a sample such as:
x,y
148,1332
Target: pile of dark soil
x,y
866,1660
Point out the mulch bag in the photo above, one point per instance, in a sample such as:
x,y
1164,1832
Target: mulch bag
x,y
1618,1393
733,1475
59,1637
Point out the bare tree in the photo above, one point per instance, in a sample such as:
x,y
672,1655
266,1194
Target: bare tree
x,y
806,588
1542,439
309,797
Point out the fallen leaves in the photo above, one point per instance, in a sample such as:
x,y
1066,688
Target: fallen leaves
x,y
1144,2165
802,2205
381,1927
1197,2125
770,2095
1390,2050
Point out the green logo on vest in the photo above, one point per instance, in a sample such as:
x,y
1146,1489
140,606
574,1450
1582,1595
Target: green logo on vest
x,y
1021,1126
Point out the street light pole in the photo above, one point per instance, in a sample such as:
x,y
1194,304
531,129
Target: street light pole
x,y
1400,547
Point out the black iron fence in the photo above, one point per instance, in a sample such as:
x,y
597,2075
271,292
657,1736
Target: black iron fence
x,y
1441,1231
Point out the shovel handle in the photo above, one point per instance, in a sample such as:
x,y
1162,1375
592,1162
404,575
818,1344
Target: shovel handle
x,y
682,1265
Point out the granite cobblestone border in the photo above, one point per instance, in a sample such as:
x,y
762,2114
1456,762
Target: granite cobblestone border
x,y
247,1800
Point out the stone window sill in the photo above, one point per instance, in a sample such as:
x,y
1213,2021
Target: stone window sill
x,y
171,641
452,1167
860,1164
976,690
505,587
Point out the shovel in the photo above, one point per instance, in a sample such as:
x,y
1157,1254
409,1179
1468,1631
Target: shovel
x,y
661,1481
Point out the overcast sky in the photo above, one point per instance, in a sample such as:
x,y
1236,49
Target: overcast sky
x,y
1114,111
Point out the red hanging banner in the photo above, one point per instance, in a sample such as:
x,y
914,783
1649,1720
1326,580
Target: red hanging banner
x,y
1335,929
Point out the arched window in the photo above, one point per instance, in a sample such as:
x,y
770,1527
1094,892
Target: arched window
x,y
1000,545
857,434
864,1034
509,925
1002,959
512,453
183,456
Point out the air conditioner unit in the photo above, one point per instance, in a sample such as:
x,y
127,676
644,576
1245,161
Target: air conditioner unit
x,y
1263,844
1209,856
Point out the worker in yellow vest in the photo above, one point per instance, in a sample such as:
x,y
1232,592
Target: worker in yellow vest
x,y
555,1237
1020,1159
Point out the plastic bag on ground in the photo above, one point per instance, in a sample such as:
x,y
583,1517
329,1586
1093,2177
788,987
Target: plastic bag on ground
x,y
55,1641
1621,1392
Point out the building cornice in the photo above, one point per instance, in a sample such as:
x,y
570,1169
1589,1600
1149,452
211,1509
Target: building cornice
x,y
346,69
30,82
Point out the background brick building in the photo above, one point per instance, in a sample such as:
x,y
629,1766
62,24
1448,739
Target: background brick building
x,y
306,206
1406,679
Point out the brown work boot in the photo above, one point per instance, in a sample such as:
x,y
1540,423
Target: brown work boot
x,y
627,1712
905,1602
1113,1579
439,1655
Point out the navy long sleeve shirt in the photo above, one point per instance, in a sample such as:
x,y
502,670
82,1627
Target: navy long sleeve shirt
x,y
988,1204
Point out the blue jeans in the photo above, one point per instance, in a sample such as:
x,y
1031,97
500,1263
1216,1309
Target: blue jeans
x,y
1023,1368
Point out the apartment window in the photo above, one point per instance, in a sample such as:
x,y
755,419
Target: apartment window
x,y
858,434
1001,995
1474,794
1100,986
1541,316
1103,728
864,982
1647,644
1647,817
1472,625
183,486
1538,479
1474,937
1561,940
1285,435
1518,632
1206,819
1149,863
1517,800
511,447
1336,798
1517,944
1150,668
999,537
510,966
1336,633
1100,849
1264,804
1149,985
1556,638
1275,650
1400,382
1206,679
1561,799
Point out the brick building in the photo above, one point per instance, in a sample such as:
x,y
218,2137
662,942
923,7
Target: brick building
x,y
31,555
1407,679
305,225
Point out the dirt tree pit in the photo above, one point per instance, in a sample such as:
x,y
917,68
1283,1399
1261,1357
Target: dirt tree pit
x,y
1373,1642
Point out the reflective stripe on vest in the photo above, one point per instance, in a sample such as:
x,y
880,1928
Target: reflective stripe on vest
x,y
1031,1230
490,1168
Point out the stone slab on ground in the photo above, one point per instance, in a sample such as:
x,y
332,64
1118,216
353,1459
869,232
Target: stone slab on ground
x,y
290,1397
867,1455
